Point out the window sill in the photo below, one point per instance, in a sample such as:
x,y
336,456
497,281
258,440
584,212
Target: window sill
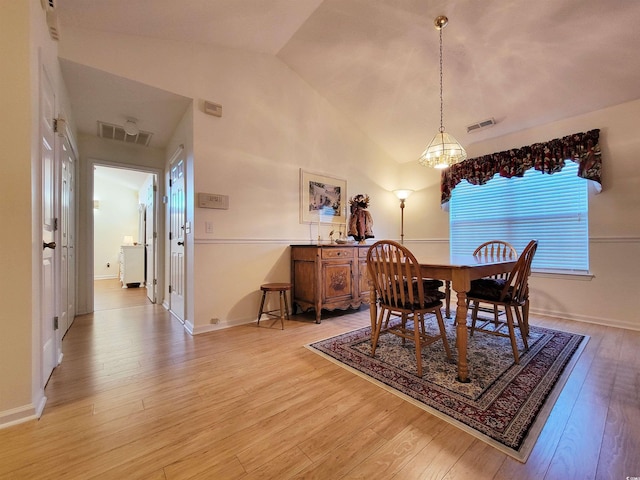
x,y
582,276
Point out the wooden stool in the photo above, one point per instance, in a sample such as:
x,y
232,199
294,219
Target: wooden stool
x,y
284,308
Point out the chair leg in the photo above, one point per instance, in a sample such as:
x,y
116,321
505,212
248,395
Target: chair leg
x,y
524,331
404,326
386,322
443,333
264,294
525,315
376,333
416,338
447,298
474,316
512,335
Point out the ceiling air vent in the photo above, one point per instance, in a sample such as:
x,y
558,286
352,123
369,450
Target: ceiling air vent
x,y
116,132
481,125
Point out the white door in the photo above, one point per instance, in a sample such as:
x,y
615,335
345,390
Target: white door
x,y
67,259
150,240
48,319
177,236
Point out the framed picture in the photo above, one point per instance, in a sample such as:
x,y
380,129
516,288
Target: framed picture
x,y
323,199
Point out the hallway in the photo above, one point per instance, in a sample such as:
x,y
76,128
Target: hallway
x,y
109,294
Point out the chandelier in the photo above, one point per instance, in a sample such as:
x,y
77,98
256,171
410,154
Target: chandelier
x,y
444,150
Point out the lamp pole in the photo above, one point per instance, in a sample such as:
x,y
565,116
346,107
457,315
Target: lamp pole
x,y
402,221
402,195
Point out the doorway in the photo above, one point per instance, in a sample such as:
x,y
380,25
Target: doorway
x,y
125,231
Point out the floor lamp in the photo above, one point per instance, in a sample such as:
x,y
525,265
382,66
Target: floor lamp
x,y
402,196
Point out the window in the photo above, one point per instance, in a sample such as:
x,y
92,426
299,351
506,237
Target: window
x,y
550,208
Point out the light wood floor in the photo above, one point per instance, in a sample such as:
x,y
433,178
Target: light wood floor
x,y
109,294
137,397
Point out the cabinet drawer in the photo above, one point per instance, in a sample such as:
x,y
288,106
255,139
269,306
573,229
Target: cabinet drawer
x,y
337,253
362,252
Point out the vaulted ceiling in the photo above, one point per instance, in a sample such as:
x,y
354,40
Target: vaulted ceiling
x,y
520,62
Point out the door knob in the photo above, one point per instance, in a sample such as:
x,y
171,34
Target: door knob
x,y
179,243
51,245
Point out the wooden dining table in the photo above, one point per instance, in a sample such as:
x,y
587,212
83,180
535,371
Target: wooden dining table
x,y
460,270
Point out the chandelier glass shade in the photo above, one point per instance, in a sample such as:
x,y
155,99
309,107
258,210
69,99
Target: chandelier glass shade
x,y
444,150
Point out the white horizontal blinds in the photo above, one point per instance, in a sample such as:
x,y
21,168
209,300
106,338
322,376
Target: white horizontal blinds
x,y
550,208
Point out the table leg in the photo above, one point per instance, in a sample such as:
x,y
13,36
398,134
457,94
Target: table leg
x,y
461,337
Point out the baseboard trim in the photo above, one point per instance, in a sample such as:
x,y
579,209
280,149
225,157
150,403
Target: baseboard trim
x,y
23,414
605,322
219,326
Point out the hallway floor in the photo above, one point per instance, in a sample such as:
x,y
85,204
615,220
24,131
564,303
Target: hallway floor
x,y
109,294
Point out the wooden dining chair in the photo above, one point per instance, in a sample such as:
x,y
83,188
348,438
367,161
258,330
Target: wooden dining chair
x,y
495,249
511,293
491,249
401,292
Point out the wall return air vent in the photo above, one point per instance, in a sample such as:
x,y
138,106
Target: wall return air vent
x,y
116,132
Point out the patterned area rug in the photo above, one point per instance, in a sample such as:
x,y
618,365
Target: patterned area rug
x,y
504,405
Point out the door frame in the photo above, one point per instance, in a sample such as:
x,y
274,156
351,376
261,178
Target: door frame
x,y
88,224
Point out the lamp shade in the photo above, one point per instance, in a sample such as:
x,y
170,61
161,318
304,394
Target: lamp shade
x,y
403,194
442,152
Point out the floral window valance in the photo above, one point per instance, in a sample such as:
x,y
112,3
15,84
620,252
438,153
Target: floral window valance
x,y
547,157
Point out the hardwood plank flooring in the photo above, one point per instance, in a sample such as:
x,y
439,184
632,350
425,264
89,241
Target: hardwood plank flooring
x,y
109,294
138,397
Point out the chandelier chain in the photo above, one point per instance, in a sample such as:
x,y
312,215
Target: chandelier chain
x,y
441,100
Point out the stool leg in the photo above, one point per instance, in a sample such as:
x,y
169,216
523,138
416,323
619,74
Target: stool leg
x,y
281,310
264,294
286,305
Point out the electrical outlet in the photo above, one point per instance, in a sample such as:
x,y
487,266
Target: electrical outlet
x,y
108,264
214,321
208,227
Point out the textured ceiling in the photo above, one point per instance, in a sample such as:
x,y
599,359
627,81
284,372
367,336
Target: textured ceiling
x,y
521,62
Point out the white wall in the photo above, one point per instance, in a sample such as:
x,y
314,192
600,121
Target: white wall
x,y
614,229
117,216
16,211
273,124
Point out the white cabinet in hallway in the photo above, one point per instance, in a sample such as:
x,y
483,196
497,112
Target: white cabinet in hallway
x,y
131,265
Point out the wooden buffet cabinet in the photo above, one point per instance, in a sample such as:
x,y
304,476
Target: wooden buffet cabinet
x,y
329,276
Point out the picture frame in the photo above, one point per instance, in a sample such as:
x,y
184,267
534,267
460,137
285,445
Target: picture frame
x,y
323,198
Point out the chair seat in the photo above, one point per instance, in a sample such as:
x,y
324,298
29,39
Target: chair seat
x,y
432,296
431,284
489,289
